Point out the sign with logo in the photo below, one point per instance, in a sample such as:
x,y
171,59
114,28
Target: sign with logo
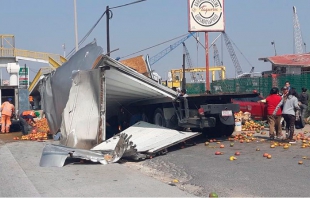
x,y
23,77
206,15
6,82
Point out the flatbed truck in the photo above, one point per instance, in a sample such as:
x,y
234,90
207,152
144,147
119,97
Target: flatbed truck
x,y
212,114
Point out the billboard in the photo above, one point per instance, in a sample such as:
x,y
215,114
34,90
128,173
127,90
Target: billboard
x,y
23,78
206,16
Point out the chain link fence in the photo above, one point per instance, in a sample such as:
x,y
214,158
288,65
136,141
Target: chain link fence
x,y
261,84
248,85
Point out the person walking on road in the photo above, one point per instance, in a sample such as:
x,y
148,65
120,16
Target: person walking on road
x,y
290,105
274,121
26,119
7,109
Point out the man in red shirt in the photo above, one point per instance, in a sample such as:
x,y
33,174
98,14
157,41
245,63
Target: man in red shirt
x,y
274,121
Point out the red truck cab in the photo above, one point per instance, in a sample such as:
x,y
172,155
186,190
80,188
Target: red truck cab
x,y
253,105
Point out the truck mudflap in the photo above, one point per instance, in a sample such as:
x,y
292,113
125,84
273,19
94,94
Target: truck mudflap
x,y
225,112
198,122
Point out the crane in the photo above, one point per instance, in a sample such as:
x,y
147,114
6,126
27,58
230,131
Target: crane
x,y
297,33
189,62
166,51
252,70
151,61
232,54
217,58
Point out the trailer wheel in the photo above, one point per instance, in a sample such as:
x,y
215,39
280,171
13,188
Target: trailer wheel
x,y
159,118
226,130
219,130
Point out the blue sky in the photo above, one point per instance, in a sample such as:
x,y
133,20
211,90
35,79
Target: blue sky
x,y
252,25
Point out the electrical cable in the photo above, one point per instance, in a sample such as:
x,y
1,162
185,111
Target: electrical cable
x,y
87,34
33,70
154,46
93,27
139,1
240,51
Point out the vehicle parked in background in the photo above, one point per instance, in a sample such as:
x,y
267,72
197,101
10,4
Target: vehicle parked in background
x,y
257,109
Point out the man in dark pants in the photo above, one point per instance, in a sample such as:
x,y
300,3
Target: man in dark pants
x,y
25,118
303,99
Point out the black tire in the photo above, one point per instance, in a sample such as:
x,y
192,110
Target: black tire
x,y
226,130
219,130
159,118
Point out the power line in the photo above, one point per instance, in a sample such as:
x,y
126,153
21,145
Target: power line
x,y
139,1
33,70
153,46
93,27
241,52
87,34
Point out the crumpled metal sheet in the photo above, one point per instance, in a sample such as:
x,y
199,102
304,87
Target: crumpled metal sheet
x,y
46,99
149,138
58,85
81,116
56,155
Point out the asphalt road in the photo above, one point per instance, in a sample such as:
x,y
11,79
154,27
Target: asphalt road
x,y
199,171
192,171
21,175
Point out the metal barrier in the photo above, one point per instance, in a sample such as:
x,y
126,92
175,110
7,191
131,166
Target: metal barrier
x,y
261,84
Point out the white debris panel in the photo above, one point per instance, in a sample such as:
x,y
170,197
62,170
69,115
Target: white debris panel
x,y
149,138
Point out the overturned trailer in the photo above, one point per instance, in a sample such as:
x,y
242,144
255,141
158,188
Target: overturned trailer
x,y
79,97
82,98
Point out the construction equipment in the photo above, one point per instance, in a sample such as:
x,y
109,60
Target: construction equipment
x,y
297,33
217,58
177,74
232,54
166,51
189,62
252,70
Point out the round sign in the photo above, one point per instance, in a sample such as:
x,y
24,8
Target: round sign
x,y
206,12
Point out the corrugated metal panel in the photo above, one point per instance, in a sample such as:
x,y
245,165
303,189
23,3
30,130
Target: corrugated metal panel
x,y
137,63
290,60
149,138
107,61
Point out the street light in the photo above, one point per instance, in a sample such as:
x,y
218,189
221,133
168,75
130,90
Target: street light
x,y
274,46
305,47
109,15
76,28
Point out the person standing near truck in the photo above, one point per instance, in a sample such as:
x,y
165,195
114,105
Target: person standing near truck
x,y
290,105
274,121
7,109
26,119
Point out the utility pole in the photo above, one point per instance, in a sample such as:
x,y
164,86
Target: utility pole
x,y
207,61
25,70
107,13
183,74
76,28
